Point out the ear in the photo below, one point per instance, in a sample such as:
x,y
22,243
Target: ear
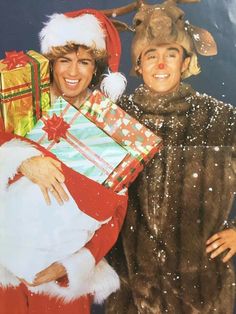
x,y
203,41
121,26
185,64
138,70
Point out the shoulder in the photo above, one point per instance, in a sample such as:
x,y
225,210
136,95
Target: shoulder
x,y
212,106
209,102
220,116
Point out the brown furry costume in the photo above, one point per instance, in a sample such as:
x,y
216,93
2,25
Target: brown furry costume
x,y
181,198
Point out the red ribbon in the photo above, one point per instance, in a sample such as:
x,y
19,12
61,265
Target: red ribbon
x,y
15,59
56,127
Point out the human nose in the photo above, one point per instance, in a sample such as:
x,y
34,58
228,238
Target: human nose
x,y
161,65
73,69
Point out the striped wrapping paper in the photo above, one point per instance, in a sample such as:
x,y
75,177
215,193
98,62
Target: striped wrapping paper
x,y
99,140
86,148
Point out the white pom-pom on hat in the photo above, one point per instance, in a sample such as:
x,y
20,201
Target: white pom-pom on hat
x,y
93,29
113,85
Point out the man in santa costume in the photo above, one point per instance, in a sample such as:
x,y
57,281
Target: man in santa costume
x,y
78,45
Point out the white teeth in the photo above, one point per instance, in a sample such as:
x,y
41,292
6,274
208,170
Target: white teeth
x,y
161,76
71,81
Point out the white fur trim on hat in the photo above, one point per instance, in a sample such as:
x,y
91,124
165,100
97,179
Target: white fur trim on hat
x,y
12,154
82,30
113,85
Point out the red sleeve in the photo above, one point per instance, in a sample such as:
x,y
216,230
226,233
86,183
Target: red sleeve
x,y
4,136
1,125
105,237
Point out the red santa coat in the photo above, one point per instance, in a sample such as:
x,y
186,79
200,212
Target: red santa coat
x,y
86,265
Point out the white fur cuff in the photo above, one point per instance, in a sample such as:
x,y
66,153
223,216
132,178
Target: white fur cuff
x,y
79,267
12,154
84,278
7,279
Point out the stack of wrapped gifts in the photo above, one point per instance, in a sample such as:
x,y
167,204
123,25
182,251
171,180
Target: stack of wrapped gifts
x,y
99,140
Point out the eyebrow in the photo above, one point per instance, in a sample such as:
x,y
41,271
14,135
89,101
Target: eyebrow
x,y
85,59
154,49
149,50
62,57
174,48
70,59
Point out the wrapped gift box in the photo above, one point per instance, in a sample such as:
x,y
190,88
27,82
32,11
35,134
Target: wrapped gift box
x,y
100,140
24,90
140,143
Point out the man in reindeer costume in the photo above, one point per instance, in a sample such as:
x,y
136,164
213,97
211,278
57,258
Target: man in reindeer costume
x,y
175,246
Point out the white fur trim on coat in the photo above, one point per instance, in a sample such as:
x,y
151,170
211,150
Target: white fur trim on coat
x,y
7,279
84,278
12,154
83,30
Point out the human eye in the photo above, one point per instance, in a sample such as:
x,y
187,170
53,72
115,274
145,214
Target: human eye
x,y
63,60
172,54
85,62
151,56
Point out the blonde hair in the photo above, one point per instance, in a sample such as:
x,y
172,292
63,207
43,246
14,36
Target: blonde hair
x,y
60,51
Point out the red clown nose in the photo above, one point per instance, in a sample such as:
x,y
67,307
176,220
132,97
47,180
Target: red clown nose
x,y
161,66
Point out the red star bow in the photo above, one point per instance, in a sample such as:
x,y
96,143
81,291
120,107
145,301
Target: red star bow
x,y
15,59
56,127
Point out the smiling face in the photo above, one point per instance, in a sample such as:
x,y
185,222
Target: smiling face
x,y
72,74
161,67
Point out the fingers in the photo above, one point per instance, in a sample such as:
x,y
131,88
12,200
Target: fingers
x,y
51,273
58,187
214,245
56,191
215,237
218,251
41,277
57,196
228,256
45,195
221,242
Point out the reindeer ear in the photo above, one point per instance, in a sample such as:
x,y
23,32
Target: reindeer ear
x,y
203,41
121,26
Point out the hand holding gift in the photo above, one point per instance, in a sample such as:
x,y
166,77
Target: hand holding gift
x,y
46,172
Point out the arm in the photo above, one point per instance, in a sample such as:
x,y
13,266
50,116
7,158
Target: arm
x,y
225,241
80,265
19,155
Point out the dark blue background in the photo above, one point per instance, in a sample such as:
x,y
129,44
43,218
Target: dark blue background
x,y
21,21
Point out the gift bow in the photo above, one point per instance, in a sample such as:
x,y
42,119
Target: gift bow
x,y
56,127
15,59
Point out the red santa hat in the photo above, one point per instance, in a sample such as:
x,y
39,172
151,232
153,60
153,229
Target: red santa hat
x,y
93,29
